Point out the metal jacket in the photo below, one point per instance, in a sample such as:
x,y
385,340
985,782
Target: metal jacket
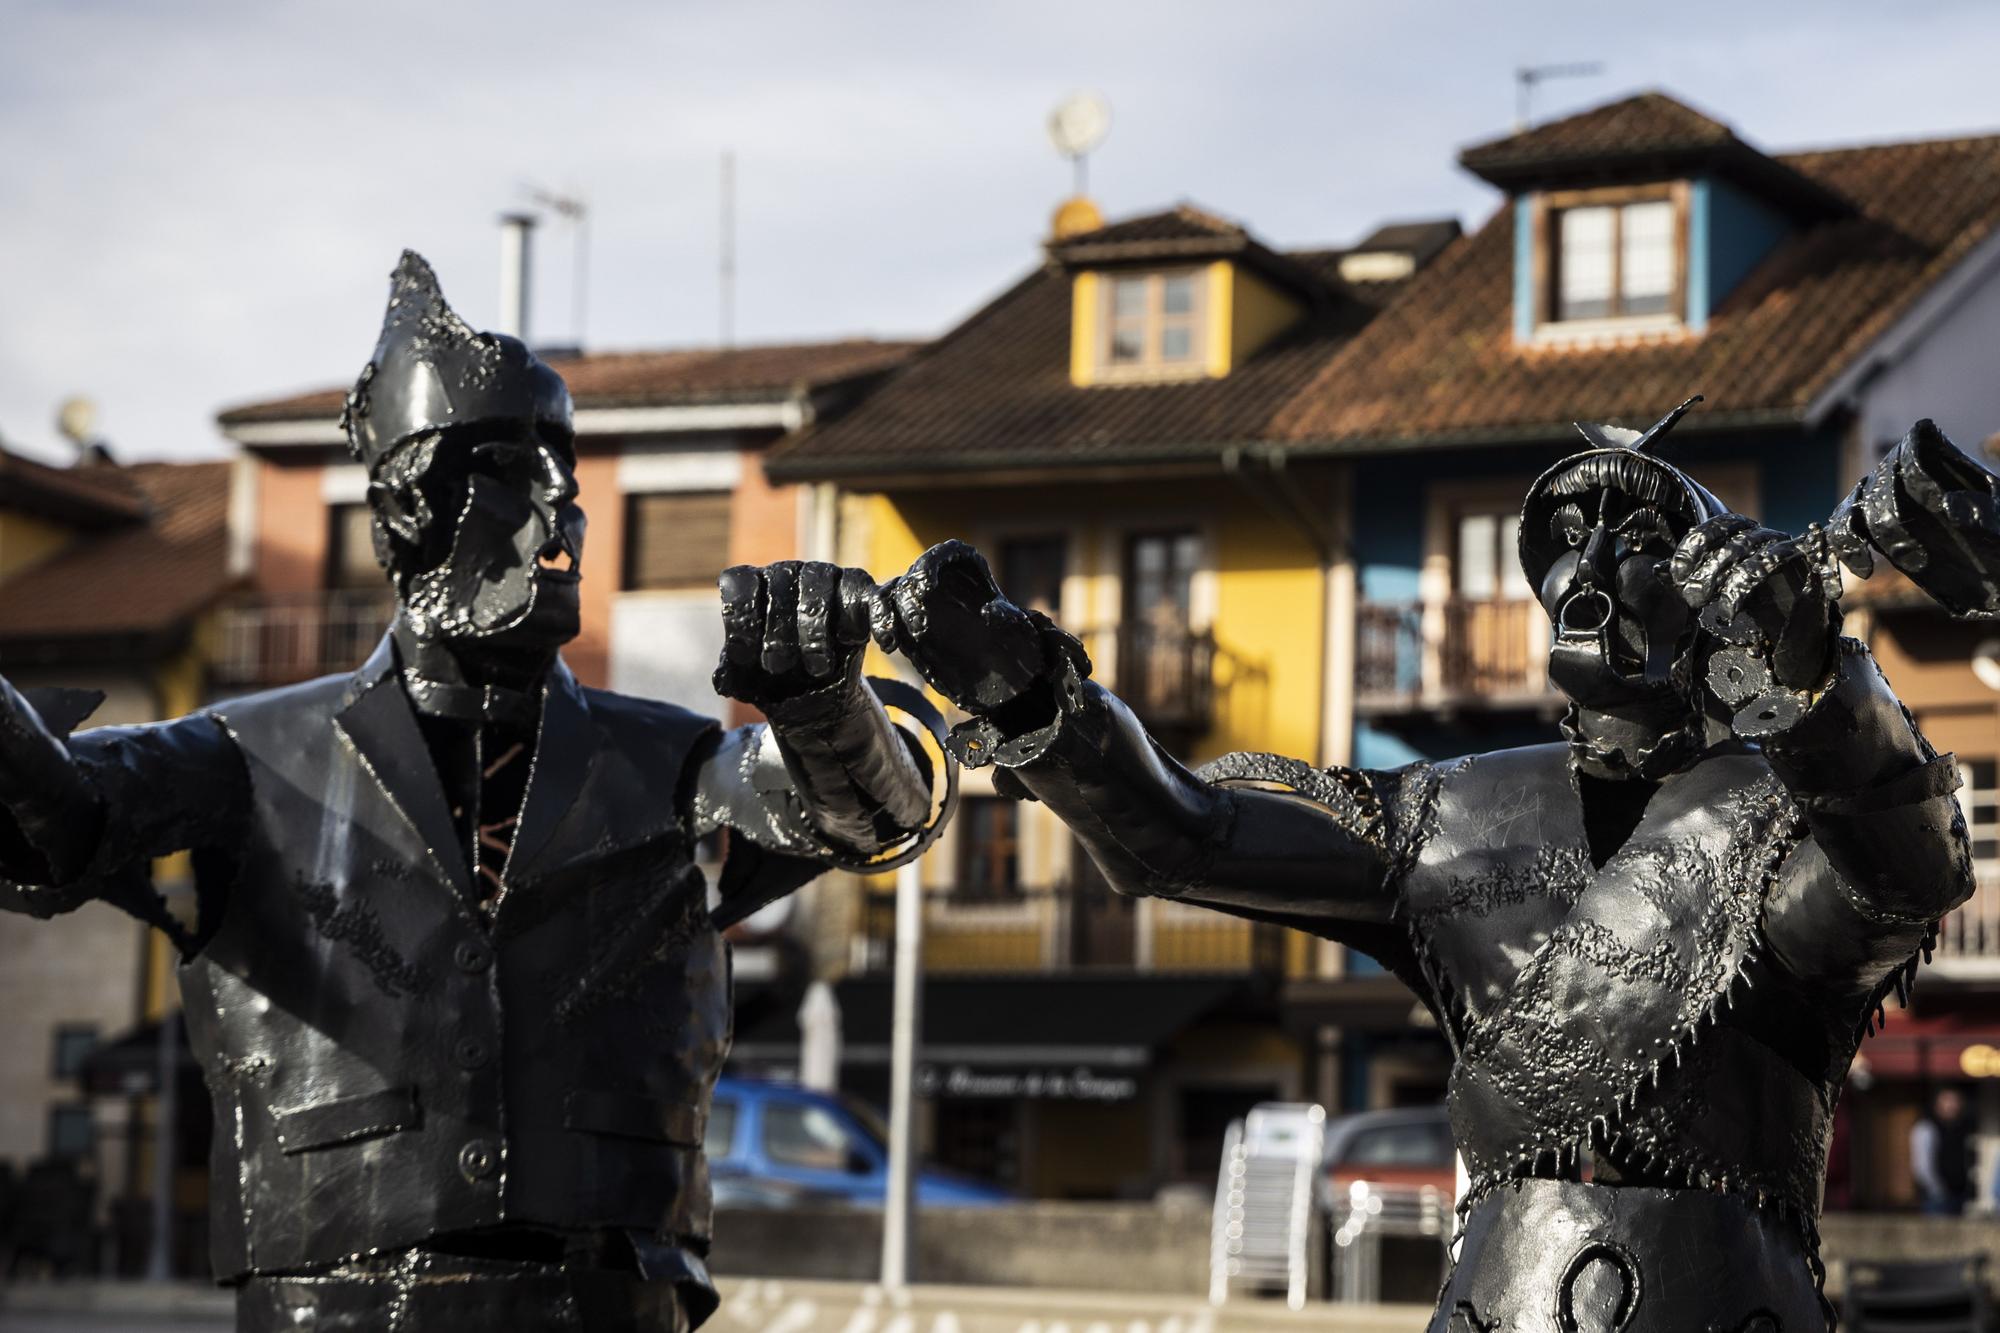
x,y
1679,1018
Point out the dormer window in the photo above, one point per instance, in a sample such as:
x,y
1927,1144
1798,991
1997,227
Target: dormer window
x,y
1610,261
1153,324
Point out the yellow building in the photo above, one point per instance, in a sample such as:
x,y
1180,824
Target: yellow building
x,y
1099,431
109,576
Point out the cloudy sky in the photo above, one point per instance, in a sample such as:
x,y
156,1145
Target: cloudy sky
x,y
200,202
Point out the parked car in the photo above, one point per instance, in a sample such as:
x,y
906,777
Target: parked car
x,y
774,1144
1410,1147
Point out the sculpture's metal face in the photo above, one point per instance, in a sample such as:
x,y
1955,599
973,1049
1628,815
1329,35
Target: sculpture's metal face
x,y
480,531
471,475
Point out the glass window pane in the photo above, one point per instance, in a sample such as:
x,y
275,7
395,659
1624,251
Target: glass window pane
x,y
805,1136
1031,572
1128,343
1513,580
1128,297
1177,294
1647,255
1584,265
721,1134
1478,578
1176,343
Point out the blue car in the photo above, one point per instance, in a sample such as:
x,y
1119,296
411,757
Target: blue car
x,y
774,1144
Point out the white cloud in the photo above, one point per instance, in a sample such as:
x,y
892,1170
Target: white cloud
x,y
201,202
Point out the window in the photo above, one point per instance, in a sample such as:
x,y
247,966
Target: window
x,y
800,1134
350,549
1159,578
989,848
720,1136
72,1131
676,540
1153,321
1031,572
73,1044
1486,564
1420,1143
1616,259
1980,799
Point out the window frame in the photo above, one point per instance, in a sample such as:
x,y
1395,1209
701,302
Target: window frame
x,y
368,578
1547,211
1011,846
1151,365
92,1036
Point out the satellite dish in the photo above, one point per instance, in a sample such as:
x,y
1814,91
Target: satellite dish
x,y
1079,124
77,420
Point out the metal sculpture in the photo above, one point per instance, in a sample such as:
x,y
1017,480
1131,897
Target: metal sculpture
x,y
453,979
1653,947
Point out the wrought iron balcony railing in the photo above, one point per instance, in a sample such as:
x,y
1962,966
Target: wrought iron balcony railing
x,y
280,640
1412,656
1063,929
1164,673
1968,943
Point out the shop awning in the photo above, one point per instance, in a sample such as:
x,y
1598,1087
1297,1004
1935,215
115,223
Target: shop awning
x,y
1943,1046
1116,1021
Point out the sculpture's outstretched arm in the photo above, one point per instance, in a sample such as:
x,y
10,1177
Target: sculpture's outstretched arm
x,y
1315,855
828,779
81,817
1889,853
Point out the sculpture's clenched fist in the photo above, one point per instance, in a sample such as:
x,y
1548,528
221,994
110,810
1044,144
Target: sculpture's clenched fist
x,y
793,627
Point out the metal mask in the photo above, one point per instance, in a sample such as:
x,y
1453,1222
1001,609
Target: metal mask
x,y
471,474
1597,530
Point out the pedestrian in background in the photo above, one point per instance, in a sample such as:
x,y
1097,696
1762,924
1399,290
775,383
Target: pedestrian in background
x,y
1941,1155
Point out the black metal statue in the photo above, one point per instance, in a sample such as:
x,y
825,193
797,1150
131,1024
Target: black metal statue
x,y
454,981
1654,948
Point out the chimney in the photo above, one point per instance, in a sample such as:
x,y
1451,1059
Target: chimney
x,y
516,268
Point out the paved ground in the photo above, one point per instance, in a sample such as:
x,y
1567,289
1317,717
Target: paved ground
x,y
765,1306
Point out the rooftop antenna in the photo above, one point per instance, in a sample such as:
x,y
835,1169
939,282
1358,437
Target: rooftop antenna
x,y
572,209
1076,126
726,275
1527,76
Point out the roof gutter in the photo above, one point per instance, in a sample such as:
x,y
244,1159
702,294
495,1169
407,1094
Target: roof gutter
x,y
1924,314
784,414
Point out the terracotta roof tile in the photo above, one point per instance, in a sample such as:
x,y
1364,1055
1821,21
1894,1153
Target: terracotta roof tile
x,y
661,378
143,578
1641,125
90,495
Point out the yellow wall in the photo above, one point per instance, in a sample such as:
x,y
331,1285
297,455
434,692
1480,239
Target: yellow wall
x,y
1084,301
25,541
1259,312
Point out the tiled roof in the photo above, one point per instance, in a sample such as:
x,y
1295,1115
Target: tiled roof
x,y
660,378
1441,364
143,578
86,496
1642,125
996,392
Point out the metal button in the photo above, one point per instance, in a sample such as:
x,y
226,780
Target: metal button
x,y
472,956
478,1160
470,1053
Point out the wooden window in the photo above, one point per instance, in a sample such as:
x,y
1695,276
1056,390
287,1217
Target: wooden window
x,y
350,549
1612,254
73,1043
1032,570
989,848
1153,322
1980,799
1486,562
72,1131
676,540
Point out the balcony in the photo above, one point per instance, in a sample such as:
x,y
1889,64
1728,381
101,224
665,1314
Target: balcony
x,y
1968,944
1165,673
271,641
1063,929
1448,655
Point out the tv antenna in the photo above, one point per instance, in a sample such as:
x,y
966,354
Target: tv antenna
x,y
1076,126
572,209
1526,77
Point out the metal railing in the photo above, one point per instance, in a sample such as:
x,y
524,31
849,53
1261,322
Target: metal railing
x,y
1415,655
278,640
1062,929
1165,673
1968,941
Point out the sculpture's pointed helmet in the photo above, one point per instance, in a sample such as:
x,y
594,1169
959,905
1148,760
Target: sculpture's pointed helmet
x,y
1619,459
431,371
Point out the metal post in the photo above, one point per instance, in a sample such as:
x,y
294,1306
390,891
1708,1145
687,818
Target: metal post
x,y
899,1209
159,1258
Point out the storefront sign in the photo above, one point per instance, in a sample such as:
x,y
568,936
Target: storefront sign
x,y
1078,1083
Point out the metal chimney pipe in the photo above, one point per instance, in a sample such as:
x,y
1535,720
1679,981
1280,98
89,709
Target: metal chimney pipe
x,y
516,268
